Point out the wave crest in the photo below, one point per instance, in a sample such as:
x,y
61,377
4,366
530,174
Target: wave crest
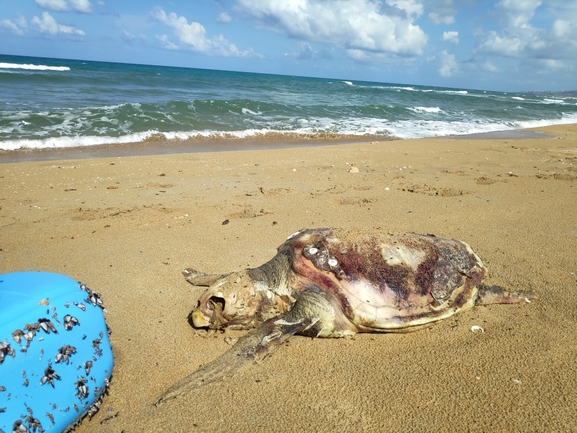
x,y
33,67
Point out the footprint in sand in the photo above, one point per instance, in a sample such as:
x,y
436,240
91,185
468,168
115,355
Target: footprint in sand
x,y
433,191
248,212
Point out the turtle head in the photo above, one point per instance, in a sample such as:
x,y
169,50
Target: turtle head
x,y
235,301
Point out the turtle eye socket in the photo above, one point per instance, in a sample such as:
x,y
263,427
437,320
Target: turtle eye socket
x,y
216,303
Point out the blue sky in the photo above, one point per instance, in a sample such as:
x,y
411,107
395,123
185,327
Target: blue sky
x,y
508,45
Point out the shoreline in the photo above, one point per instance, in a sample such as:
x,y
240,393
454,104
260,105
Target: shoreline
x,y
225,145
171,147
513,134
127,226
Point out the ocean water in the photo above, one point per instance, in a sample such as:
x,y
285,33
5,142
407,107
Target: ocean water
x,y
54,103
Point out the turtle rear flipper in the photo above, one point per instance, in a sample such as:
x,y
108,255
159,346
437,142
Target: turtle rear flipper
x,y
258,343
500,295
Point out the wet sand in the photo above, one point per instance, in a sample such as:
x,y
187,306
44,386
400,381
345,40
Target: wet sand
x,y
155,147
126,226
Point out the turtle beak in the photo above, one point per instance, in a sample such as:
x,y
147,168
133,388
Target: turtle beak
x,y
199,320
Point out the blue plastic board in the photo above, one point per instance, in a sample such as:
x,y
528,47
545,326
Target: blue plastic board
x,y
55,356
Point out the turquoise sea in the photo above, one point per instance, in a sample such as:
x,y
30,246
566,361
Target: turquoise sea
x,y
55,103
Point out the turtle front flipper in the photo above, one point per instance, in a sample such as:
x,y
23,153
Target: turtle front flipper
x,y
197,278
311,313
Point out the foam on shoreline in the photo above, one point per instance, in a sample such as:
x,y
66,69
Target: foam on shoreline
x,y
161,147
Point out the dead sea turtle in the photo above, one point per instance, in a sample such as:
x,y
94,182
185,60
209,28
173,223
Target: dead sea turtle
x,y
335,283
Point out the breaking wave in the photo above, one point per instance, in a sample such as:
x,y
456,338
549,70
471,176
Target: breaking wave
x,y
32,67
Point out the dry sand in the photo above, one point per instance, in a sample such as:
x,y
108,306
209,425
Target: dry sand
x,y
126,226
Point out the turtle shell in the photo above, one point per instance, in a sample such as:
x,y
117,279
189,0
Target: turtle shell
x,y
386,282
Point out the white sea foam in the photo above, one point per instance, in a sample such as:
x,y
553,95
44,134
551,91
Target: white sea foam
x,y
426,109
76,141
408,129
254,113
449,92
566,119
518,98
412,89
354,126
431,128
553,101
399,88
454,92
348,83
33,67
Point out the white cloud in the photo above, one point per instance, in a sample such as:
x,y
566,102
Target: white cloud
x,y
307,52
517,13
131,38
506,46
452,37
561,29
364,28
449,66
488,67
82,6
437,18
412,8
442,12
552,63
53,5
166,43
9,25
223,18
48,25
193,36
21,22
519,39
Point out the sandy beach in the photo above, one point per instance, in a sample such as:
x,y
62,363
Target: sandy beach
x,y
127,225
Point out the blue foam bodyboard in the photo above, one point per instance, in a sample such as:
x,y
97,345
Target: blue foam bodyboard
x,y
55,355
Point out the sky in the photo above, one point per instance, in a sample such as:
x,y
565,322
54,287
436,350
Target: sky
x,y
505,45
